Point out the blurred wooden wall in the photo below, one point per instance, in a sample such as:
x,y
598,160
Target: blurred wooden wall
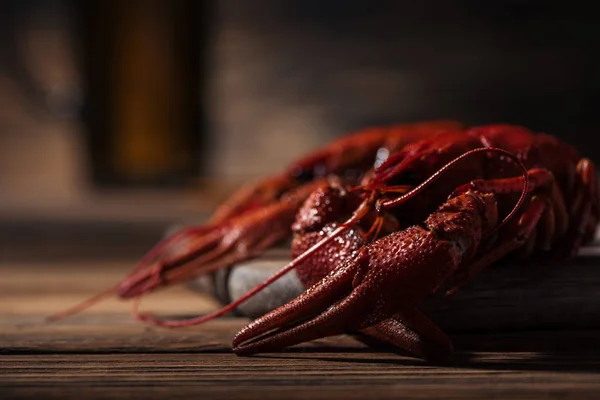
x,y
143,68
283,77
289,75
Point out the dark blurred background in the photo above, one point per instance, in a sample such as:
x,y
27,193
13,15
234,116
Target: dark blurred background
x,y
127,115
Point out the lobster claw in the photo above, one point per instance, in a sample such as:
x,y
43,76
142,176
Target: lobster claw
x,y
375,292
365,295
309,316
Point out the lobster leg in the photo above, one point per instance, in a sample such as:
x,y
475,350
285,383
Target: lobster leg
x,y
538,178
547,203
583,213
581,216
547,207
595,211
518,233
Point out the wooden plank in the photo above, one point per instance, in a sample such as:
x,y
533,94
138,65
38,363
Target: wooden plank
x,y
36,290
321,372
107,357
102,353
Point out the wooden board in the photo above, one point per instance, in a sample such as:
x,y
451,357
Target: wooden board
x,y
103,354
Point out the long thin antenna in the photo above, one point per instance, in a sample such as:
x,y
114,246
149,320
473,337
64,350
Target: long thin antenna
x,y
417,190
144,263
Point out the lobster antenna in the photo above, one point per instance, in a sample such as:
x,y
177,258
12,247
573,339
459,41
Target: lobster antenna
x,y
364,208
417,190
524,192
144,263
84,305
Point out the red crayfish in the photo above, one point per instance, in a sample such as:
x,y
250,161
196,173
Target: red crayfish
x,y
259,215
428,218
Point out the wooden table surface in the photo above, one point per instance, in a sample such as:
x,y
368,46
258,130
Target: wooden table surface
x,y
102,353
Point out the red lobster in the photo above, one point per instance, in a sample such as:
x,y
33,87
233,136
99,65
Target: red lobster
x,y
258,216
369,255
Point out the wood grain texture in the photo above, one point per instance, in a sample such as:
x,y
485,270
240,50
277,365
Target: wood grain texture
x,y
102,353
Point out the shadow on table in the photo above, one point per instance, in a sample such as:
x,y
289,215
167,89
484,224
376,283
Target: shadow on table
x,y
572,351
